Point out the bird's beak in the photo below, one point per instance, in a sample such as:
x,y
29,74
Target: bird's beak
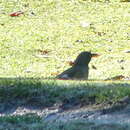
x,y
95,55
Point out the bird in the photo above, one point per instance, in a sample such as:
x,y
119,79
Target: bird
x,y
80,68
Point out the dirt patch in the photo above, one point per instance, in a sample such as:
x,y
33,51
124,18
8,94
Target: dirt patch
x,y
101,116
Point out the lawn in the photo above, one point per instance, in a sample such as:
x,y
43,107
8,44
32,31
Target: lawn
x,y
63,30
38,44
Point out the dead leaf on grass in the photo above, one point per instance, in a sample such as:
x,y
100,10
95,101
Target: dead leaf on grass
x,y
54,73
101,33
71,63
122,68
43,52
14,14
80,41
120,61
118,77
94,67
127,51
2,24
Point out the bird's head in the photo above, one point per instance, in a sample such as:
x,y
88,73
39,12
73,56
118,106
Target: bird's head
x,y
84,58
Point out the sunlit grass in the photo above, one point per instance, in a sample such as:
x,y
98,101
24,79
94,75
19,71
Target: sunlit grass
x,y
65,29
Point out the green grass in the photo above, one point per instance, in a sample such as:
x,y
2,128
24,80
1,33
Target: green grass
x,y
28,121
28,118
56,26
64,28
33,122
49,92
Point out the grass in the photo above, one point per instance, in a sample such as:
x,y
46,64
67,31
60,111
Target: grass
x,y
33,122
49,92
29,121
63,29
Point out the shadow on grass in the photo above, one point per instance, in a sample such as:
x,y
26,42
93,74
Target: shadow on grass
x,y
39,93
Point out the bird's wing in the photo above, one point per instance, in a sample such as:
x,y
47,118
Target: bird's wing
x,y
67,74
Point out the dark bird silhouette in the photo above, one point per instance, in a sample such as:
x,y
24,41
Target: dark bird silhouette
x,y
80,69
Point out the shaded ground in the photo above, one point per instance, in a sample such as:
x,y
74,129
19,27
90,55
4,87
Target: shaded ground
x,y
66,105
116,116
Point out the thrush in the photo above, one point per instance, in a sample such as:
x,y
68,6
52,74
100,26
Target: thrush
x,y
80,68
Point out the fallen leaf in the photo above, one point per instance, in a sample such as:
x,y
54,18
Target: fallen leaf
x,y
120,61
2,24
32,13
110,50
71,63
118,77
122,68
80,41
94,67
26,5
18,13
54,73
127,51
43,52
100,33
